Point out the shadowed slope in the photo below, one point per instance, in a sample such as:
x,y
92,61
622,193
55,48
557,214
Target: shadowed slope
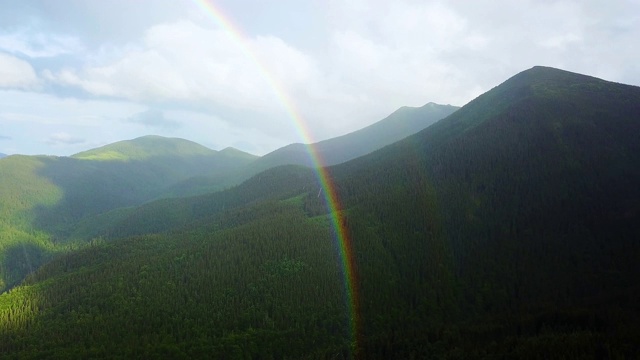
x,y
507,230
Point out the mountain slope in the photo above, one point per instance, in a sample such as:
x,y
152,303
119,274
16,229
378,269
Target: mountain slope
x,y
533,183
2,155
507,230
42,198
400,124
145,147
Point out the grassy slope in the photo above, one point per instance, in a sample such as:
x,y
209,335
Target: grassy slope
x,y
23,248
508,229
144,148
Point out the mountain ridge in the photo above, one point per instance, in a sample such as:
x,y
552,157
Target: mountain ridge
x,y
399,124
508,229
144,147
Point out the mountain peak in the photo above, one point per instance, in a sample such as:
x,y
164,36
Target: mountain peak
x,y
539,88
233,152
539,75
145,147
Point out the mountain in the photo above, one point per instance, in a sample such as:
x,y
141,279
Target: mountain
x,y
42,198
400,124
524,201
144,148
132,172
187,162
507,230
2,155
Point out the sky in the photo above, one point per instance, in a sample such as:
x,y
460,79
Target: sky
x,y
79,74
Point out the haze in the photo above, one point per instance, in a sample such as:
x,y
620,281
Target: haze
x,y
75,75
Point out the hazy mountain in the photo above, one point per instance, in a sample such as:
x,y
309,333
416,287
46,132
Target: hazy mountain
x,y
507,230
400,124
2,155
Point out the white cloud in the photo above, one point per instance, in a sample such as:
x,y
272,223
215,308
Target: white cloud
x,y
18,107
153,118
63,138
366,59
99,122
410,52
183,62
36,45
16,73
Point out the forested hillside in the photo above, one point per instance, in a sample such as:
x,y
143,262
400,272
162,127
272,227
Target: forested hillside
x,y
75,195
42,198
507,230
535,203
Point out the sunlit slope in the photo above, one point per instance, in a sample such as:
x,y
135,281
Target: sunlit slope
x,y
507,230
22,193
268,285
42,198
175,160
145,147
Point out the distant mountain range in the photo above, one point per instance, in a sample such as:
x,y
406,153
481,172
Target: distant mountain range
x,y
400,124
54,194
507,229
2,155
397,126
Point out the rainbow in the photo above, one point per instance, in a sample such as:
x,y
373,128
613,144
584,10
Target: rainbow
x,y
331,198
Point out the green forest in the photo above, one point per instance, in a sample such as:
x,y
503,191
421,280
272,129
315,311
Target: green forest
x,y
508,229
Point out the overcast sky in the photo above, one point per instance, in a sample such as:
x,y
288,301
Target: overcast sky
x,y
77,74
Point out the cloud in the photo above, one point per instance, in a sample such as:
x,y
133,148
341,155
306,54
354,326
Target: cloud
x,y
38,45
187,63
413,52
16,73
63,138
4,137
153,118
366,59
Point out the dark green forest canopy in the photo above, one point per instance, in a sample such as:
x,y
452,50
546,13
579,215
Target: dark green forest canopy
x,y
54,204
508,229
